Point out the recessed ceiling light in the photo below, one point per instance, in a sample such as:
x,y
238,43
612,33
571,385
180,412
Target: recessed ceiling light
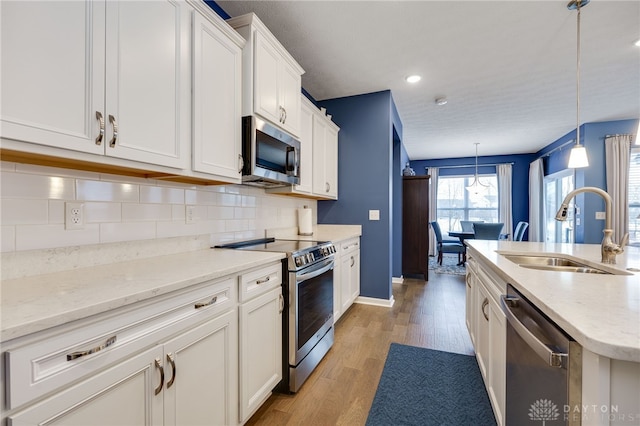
x,y
637,43
413,79
441,101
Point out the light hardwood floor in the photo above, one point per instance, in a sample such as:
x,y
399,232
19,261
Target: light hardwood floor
x,y
341,389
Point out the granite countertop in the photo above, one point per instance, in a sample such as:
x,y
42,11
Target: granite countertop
x,y
601,312
35,303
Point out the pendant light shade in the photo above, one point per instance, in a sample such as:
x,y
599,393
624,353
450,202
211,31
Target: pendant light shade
x,y
578,157
477,187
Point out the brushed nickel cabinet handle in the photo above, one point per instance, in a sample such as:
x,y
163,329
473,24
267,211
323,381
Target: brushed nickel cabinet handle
x,y
327,187
281,297
173,370
213,300
240,163
468,278
353,261
284,119
484,305
114,123
159,367
264,280
74,355
101,134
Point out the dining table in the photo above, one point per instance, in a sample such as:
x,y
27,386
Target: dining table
x,y
463,235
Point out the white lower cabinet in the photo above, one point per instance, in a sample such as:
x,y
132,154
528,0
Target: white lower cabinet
x,y
200,374
121,395
346,276
487,328
260,337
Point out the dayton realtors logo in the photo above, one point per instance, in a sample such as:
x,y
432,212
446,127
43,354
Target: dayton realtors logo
x,y
544,410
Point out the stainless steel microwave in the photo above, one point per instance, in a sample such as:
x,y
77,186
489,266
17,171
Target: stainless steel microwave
x,y
271,156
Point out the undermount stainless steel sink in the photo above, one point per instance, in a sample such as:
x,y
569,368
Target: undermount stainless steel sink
x,y
554,263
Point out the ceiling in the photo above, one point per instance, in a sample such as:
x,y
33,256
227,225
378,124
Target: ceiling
x,y
507,68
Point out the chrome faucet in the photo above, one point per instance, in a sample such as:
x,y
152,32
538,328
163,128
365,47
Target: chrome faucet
x,y
608,248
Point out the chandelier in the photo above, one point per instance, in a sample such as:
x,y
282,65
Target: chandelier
x,y
477,187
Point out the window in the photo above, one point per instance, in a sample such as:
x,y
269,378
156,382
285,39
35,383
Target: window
x,y
634,197
556,188
456,204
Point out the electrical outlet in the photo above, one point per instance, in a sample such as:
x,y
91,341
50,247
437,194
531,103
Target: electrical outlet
x,y
600,216
73,216
374,214
190,214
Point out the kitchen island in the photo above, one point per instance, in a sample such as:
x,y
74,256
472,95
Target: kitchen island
x,y
599,311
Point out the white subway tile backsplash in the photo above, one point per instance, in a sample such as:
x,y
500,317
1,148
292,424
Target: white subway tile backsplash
x,y
145,212
31,237
164,195
22,185
115,232
97,212
8,238
121,209
91,190
18,211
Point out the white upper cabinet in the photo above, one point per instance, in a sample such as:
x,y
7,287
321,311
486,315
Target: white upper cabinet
x,y
217,99
272,79
325,158
110,78
53,58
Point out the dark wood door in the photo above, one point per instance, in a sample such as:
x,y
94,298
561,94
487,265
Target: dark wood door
x,y
415,225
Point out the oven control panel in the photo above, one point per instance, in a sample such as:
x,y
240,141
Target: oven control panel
x,y
313,254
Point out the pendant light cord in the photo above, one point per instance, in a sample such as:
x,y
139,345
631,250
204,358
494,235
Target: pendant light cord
x,y
578,78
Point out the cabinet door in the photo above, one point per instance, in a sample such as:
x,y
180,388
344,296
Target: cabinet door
x,y
337,288
148,81
306,149
217,102
200,374
331,162
347,262
52,75
289,82
260,350
354,277
498,360
470,306
482,330
265,96
121,395
319,157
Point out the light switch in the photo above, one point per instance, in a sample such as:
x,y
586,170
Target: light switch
x,y
374,214
600,216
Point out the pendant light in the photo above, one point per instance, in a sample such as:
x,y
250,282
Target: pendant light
x,y
578,157
477,187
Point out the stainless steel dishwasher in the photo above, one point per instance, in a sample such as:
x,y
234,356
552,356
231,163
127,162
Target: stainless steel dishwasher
x,y
544,367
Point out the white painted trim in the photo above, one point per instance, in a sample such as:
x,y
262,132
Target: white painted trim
x,y
387,303
397,280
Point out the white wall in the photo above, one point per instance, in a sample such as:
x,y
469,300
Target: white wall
x,y
119,209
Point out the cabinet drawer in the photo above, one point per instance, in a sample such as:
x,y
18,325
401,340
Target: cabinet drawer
x,y
259,281
72,351
349,245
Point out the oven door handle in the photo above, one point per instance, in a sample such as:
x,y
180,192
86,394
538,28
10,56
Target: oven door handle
x,y
321,269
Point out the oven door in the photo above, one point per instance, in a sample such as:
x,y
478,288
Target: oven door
x,y
310,308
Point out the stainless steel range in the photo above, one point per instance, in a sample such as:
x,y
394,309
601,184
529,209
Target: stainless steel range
x,y
308,292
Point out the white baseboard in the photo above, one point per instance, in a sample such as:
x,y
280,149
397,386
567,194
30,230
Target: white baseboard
x,y
387,303
397,280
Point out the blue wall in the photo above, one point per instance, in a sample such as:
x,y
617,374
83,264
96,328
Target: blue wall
x,y
592,136
365,182
520,172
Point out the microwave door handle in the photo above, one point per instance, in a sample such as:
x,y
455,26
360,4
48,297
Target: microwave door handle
x,y
292,168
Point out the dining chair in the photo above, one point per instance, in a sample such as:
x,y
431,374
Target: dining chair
x,y
467,225
487,231
447,246
518,234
